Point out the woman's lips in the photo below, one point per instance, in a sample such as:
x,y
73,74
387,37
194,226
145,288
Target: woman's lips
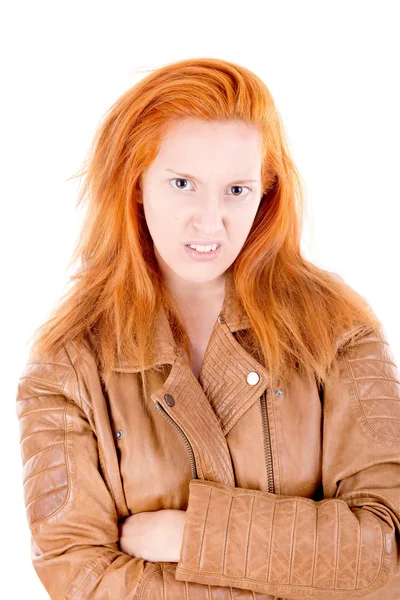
x,y
203,256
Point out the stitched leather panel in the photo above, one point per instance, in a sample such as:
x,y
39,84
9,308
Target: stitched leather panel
x,y
259,540
162,585
42,421
376,378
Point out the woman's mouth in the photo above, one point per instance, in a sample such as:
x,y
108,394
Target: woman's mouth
x,y
205,256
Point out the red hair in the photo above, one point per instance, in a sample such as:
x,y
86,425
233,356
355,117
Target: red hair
x,y
297,311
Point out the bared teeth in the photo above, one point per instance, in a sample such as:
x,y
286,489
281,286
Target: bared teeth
x,y
210,248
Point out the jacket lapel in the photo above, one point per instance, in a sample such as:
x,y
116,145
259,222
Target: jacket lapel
x,y
231,381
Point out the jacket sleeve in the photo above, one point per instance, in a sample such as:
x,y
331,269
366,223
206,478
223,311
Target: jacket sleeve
x,y
70,511
342,546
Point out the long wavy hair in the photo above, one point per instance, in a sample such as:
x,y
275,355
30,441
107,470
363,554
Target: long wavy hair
x,y
297,310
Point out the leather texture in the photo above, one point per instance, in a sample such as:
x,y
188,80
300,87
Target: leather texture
x,y
290,494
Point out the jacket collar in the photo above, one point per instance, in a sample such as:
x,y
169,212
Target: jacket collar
x,y
166,350
230,382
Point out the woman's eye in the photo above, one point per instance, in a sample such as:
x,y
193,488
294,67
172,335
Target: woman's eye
x,y
180,179
242,188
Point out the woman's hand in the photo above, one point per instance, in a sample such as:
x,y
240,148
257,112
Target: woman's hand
x,y
153,535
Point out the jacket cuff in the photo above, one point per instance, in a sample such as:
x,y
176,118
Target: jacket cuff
x,y
273,544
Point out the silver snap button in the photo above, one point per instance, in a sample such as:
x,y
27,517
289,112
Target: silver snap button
x,y
252,378
119,434
279,392
221,319
178,351
169,399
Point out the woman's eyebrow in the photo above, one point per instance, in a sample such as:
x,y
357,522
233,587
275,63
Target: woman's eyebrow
x,y
198,180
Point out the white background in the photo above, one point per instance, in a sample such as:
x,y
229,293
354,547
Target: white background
x,y
333,70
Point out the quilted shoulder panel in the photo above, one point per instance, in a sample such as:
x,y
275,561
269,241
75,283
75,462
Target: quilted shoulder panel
x,y
41,408
373,370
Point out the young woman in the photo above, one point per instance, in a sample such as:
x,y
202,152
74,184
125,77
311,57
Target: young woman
x,y
207,414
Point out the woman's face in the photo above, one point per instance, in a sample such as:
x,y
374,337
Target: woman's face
x,y
203,186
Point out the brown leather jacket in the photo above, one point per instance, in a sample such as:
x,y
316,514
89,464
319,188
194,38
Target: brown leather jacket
x,y
290,493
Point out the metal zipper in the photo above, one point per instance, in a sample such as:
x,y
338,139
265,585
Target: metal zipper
x,y
267,443
187,443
